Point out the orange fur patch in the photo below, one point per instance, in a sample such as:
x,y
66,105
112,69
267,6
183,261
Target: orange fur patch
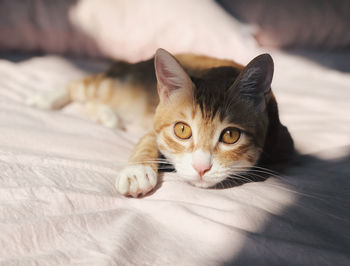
x,y
174,145
195,64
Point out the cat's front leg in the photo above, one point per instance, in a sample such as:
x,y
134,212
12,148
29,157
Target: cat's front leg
x,y
141,174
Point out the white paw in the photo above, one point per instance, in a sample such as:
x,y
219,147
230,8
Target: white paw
x,y
49,99
135,180
108,117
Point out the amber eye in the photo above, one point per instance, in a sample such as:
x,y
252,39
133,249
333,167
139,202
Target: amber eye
x,y
230,135
182,130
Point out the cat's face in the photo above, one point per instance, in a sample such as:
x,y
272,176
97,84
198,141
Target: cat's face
x,y
204,126
203,149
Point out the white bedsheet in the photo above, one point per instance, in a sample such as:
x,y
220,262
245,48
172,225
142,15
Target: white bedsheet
x,y
58,204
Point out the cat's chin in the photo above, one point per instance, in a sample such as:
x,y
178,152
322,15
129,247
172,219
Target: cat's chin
x,y
202,184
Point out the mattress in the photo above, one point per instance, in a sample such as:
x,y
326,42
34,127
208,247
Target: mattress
x,y
59,206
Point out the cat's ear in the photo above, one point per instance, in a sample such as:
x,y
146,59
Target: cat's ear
x,y
254,81
170,74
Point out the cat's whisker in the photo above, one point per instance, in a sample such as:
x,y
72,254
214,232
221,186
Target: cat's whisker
x,y
240,178
263,168
285,188
280,177
149,162
154,160
276,185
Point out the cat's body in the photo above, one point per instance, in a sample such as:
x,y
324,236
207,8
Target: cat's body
x,y
213,118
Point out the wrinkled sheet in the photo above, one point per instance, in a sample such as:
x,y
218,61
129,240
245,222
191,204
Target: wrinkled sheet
x,y
58,204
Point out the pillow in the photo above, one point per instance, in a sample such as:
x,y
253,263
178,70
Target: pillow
x,y
42,26
124,29
321,24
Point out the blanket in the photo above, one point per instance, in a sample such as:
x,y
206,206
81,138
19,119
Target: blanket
x,y
58,204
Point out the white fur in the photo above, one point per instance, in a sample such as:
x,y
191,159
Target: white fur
x,y
55,99
52,99
134,180
108,118
184,168
200,157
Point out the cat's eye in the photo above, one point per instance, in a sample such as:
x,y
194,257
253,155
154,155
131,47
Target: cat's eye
x,y
230,135
182,130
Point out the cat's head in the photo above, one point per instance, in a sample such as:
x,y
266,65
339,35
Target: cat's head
x,y
213,125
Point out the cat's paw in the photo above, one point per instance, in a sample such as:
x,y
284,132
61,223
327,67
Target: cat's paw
x,y
107,117
53,99
136,180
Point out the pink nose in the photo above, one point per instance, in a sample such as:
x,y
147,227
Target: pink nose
x,y
201,168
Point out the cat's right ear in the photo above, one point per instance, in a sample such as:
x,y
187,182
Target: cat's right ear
x,y
170,75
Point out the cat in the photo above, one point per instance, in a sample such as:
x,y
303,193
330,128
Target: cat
x,y
212,118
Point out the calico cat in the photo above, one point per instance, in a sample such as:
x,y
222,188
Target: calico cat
x,y
211,118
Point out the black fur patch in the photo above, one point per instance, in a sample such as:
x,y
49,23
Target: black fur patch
x,y
215,94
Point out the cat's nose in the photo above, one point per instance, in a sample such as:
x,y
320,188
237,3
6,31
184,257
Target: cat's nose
x,y
201,162
201,168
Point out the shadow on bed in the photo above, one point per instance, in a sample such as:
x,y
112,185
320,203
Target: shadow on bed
x,y
315,229
337,60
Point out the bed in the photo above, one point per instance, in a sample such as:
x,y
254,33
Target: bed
x,y
59,206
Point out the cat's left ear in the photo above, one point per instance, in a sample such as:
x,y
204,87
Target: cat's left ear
x,y
254,81
170,74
